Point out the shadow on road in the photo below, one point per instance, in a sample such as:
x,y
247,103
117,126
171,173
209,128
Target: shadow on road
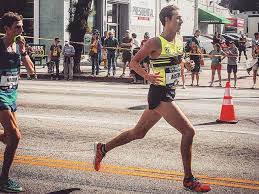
x,y
65,191
209,123
140,107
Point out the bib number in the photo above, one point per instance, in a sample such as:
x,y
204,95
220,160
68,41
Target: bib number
x,y
172,75
9,82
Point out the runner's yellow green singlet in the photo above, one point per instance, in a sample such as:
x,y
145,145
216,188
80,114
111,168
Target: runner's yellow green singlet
x,y
168,67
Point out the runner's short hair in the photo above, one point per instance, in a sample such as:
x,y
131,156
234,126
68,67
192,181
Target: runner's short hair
x,y
168,12
9,18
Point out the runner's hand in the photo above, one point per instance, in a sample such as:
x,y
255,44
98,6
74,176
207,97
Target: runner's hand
x,y
189,65
154,78
21,42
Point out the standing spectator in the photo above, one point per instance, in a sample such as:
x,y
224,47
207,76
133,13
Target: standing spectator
x,y
105,35
135,42
196,56
242,46
146,60
195,39
103,56
111,42
256,65
95,47
232,54
216,38
126,52
216,63
255,41
55,51
68,52
30,54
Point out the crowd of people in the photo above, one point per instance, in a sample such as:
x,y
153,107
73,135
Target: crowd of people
x,y
221,49
107,49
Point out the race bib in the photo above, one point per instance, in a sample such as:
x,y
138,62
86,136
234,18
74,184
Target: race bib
x,y
172,75
9,82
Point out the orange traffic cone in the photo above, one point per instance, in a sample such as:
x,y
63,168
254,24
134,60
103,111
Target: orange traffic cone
x,y
227,114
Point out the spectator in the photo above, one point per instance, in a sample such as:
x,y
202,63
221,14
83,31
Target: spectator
x,y
105,35
256,65
95,49
216,63
232,54
55,51
30,53
242,46
103,56
216,38
195,39
111,42
135,42
146,60
126,52
196,56
255,41
68,52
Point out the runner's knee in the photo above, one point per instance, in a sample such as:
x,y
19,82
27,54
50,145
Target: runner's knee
x,y
190,132
13,136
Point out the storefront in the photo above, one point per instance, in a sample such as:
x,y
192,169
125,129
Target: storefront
x,y
143,17
207,18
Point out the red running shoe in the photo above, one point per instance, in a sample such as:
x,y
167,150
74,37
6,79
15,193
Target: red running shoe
x,y
99,155
192,184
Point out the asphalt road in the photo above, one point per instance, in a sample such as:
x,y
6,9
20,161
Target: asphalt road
x,y
61,120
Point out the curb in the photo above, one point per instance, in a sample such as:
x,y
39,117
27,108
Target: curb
x,y
42,76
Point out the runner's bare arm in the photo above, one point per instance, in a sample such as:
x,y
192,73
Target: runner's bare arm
x,y
25,57
151,48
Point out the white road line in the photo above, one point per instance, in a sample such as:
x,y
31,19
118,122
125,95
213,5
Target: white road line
x,y
117,122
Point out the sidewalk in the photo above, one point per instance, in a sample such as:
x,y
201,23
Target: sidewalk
x,y
244,80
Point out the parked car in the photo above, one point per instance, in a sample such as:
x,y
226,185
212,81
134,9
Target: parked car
x,y
236,35
206,43
229,38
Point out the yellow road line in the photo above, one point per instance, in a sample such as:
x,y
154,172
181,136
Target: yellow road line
x,y
133,171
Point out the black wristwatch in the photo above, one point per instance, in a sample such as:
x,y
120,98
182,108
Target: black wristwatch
x,y
24,54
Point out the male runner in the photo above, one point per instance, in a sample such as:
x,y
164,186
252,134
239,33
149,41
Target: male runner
x,y
11,55
165,52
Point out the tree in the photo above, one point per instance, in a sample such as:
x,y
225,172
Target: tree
x,y
78,27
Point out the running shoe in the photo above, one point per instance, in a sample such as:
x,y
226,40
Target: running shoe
x,y
192,184
99,155
10,186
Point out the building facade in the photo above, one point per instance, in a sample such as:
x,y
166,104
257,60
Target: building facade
x,y
251,24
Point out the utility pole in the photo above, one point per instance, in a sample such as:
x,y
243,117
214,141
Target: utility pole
x,y
195,27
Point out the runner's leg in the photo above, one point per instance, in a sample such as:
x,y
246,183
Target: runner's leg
x,y
148,119
176,118
212,76
12,134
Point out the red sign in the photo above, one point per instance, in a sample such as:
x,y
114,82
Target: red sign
x,y
236,22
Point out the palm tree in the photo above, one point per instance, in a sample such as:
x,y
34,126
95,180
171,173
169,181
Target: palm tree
x,y
78,27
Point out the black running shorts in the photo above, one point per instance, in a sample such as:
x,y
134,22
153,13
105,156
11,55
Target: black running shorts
x,y
157,94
